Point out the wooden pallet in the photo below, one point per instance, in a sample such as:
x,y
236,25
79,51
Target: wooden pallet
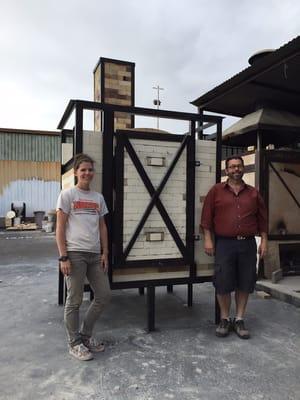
x,y
23,227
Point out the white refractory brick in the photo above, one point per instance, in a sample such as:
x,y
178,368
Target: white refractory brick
x,y
203,191
138,196
137,189
204,181
204,156
206,143
169,253
128,162
172,204
92,138
201,174
138,204
133,181
139,252
204,168
154,222
207,151
128,231
131,223
176,183
139,245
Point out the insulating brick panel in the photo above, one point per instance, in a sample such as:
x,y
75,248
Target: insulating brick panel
x,y
205,178
136,198
92,145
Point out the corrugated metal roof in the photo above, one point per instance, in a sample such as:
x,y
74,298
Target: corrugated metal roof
x,y
29,147
30,131
247,76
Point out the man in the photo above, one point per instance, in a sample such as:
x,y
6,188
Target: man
x,y
234,213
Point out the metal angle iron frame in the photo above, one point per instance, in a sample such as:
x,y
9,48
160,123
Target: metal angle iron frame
x,y
108,131
123,143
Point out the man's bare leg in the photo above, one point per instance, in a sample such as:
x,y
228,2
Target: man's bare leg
x,y
224,301
241,300
224,327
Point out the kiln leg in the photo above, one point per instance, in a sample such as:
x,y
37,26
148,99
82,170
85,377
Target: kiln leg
x,y
151,308
217,310
61,283
141,291
190,295
170,288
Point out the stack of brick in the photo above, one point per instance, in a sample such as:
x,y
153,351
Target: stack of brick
x,y
136,199
114,84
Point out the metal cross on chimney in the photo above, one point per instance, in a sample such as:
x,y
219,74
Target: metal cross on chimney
x,y
157,101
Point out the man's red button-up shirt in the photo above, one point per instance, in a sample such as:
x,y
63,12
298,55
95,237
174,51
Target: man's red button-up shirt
x,y
228,214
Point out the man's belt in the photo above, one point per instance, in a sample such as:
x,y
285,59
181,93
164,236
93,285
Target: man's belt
x,y
238,237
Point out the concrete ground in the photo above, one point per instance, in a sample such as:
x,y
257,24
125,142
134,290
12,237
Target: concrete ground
x,y
287,289
182,360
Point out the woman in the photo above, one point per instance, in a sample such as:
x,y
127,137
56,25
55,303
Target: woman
x,y
81,237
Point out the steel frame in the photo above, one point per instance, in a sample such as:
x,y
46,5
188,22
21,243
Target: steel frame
x,y
109,176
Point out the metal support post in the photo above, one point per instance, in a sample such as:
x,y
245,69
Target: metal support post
x,y
141,291
190,295
151,308
60,287
170,288
217,310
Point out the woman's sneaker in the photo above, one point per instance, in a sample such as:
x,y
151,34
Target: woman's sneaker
x,y
81,352
93,345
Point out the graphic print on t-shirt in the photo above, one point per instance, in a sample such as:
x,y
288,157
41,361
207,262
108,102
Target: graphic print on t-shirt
x,y
85,207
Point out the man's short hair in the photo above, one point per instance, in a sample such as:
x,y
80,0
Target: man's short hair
x,y
233,158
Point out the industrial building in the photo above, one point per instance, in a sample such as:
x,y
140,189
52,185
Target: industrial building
x,y
29,170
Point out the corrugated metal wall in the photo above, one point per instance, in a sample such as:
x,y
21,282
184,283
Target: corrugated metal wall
x,y
28,147
29,171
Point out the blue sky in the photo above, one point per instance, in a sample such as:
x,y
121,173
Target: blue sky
x,y
50,47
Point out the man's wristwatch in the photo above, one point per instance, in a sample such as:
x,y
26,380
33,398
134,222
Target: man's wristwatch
x,y
63,258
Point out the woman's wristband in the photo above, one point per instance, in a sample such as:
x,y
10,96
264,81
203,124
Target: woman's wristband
x,y
63,258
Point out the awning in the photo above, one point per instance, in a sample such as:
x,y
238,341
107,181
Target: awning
x,y
276,127
272,81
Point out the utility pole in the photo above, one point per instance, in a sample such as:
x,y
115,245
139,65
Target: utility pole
x,y
157,101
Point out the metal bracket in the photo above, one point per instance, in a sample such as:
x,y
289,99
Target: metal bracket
x,y
197,163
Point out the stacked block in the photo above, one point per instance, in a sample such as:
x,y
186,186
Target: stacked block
x,y
136,199
114,84
173,197
92,145
204,180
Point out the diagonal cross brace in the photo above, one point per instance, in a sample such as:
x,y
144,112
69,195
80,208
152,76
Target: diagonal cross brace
x,y
155,197
284,184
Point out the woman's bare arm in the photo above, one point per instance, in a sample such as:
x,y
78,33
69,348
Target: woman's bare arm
x,y
61,221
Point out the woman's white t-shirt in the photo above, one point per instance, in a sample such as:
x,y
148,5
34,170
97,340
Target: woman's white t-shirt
x,y
84,209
